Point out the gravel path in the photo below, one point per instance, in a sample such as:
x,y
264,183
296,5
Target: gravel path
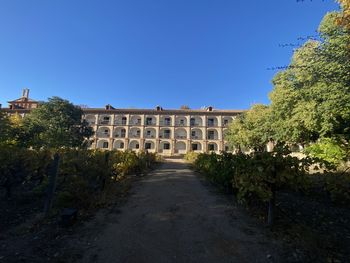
x,y
171,216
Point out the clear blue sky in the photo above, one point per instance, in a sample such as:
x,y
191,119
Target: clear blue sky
x,y
140,53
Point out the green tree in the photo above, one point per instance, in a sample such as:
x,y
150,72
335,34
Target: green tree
x,y
56,124
252,129
311,98
4,128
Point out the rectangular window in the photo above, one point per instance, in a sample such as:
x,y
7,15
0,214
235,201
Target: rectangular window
x,y
210,122
124,121
167,134
194,147
148,145
137,146
193,133
192,121
167,121
166,146
211,135
105,145
211,147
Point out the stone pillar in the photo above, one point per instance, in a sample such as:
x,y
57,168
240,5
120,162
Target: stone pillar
x,y
188,145
112,119
110,146
173,142
142,144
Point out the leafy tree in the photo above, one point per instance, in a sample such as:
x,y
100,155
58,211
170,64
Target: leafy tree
x,y
311,98
4,128
252,129
344,17
329,150
56,124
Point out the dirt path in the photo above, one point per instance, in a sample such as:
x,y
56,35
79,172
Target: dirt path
x,y
171,216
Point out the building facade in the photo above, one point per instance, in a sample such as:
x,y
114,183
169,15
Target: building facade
x,y
166,132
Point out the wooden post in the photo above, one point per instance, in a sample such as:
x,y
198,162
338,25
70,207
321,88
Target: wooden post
x,y
53,172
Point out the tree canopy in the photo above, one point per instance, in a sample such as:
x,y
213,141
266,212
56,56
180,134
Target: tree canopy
x,y
55,124
311,97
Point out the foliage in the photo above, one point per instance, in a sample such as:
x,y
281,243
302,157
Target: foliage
x,y
84,176
338,186
5,128
255,175
344,17
311,98
55,124
191,156
329,150
252,129
21,167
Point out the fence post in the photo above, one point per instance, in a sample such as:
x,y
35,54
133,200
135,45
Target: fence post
x,y
53,172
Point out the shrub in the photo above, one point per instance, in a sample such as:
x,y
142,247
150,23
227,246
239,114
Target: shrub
x,y
191,156
328,150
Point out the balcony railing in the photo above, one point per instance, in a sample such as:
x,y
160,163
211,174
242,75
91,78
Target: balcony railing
x,y
181,137
165,136
196,137
120,135
134,135
212,138
195,124
150,136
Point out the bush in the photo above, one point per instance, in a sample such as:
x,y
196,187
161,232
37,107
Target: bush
x,y
191,156
84,176
257,176
338,187
328,150
22,167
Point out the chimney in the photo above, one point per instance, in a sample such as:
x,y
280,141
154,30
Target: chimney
x,y
25,93
109,107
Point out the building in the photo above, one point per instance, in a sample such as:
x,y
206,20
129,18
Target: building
x,y
23,102
165,131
